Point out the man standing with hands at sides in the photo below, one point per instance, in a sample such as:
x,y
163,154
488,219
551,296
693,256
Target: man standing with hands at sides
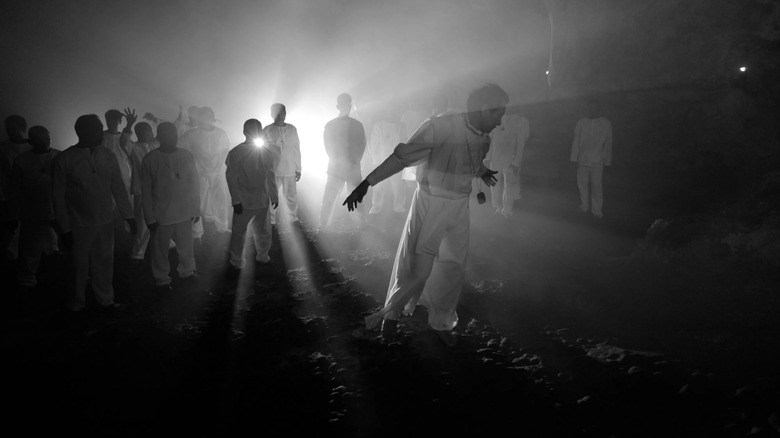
x,y
209,146
86,182
252,183
138,150
431,260
31,183
592,150
345,143
283,137
171,204
507,143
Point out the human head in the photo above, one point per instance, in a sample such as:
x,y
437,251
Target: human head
x,y
89,130
39,138
594,108
344,103
193,115
253,129
206,117
486,106
167,135
15,127
113,118
143,131
278,112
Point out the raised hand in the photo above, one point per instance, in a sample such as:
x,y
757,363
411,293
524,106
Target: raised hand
x,y
130,117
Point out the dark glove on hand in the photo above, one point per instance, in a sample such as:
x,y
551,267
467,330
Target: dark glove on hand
x,y
238,208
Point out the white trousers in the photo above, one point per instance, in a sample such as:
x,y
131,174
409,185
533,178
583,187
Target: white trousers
x,y
333,186
288,199
430,264
590,187
36,237
260,220
181,234
388,194
506,191
141,238
93,257
214,204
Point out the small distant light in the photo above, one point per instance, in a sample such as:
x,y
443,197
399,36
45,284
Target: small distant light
x,y
258,142
547,72
743,69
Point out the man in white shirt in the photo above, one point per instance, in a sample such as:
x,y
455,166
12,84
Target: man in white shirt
x,y
252,184
430,264
16,144
209,145
86,184
592,150
171,204
31,186
345,143
283,138
507,143
138,150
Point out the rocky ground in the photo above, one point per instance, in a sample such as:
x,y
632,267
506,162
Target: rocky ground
x,y
568,327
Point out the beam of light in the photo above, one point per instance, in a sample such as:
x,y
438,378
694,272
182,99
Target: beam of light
x,y
259,142
743,69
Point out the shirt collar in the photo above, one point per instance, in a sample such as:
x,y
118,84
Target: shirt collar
x,y
470,127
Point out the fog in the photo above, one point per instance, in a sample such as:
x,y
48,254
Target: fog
x,y
64,59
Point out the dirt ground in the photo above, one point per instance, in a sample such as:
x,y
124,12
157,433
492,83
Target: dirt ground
x,y
567,328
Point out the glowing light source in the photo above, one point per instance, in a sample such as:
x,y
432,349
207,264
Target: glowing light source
x,y
743,69
547,72
259,142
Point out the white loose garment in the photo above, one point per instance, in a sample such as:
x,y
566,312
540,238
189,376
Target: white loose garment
x,y
592,150
506,150
284,139
431,260
119,144
170,187
210,149
138,151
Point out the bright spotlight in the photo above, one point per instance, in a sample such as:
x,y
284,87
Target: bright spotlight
x,y
259,142
547,72
743,69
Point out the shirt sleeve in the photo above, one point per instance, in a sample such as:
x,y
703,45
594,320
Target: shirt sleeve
x,y
608,145
575,145
296,145
118,188
146,190
58,186
231,175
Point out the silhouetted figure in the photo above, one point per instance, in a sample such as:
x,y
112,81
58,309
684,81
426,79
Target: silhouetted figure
x,y
592,150
16,128
431,260
505,156
345,143
171,204
386,134
209,145
252,183
31,182
138,150
283,137
86,184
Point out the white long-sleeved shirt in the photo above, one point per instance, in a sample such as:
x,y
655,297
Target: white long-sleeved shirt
x,y
8,153
170,187
85,185
250,176
385,136
209,148
138,151
31,183
449,152
507,142
592,142
119,144
285,139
